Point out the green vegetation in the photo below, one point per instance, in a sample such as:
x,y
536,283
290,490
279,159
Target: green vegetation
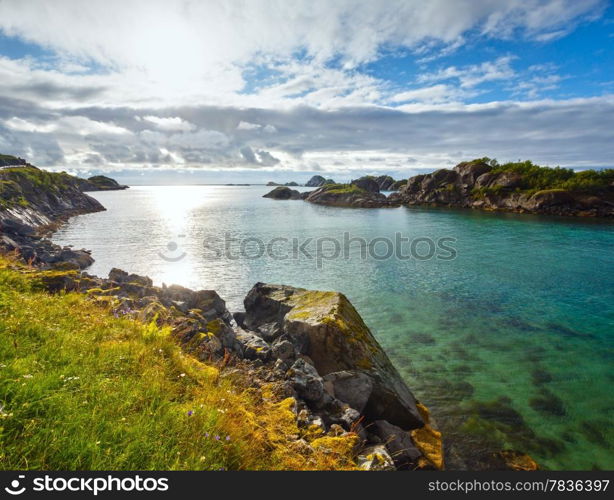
x,y
534,178
83,389
342,189
17,183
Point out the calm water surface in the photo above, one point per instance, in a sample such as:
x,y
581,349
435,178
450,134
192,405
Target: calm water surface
x,y
510,344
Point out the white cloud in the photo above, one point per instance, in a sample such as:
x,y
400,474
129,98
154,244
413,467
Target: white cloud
x,y
170,123
435,94
473,75
248,126
151,83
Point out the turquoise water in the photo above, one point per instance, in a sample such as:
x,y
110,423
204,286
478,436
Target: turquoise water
x,y
511,344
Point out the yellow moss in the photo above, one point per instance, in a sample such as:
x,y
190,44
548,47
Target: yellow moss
x,y
519,461
341,446
312,432
429,442
215,327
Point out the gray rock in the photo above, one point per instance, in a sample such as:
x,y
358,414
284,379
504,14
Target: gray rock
x,y
351,387
306,381
367,183
349,417
398,443
253,346
326,327
283,349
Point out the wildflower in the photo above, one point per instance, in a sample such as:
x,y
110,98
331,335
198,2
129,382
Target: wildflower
x,y
206,434
217,438
190,413
182,375
227,438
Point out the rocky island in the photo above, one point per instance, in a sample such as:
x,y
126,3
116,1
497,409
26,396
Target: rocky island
x,y
480,184
514,187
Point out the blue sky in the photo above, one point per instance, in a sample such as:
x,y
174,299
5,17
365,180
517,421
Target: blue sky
x,y
210,91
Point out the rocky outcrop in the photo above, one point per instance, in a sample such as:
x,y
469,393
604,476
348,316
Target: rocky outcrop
x,y
35,198
99,183
317,181
33,201
283,193
9,161
367,184
385,183
477,184
326,328
350,195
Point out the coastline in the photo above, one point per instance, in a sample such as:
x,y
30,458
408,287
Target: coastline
x,y
282,348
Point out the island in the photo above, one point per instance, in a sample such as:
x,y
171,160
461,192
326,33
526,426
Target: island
x,y
483,184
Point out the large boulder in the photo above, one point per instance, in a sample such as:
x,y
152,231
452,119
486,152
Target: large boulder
x,y
349,195
351,387
367,183
325,327
469,171
398,442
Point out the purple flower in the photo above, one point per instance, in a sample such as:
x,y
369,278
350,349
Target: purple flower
x,y
206,434
217,438
227,438
190,413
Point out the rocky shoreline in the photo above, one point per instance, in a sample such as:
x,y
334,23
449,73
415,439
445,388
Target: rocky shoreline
x,y
311,345
476,185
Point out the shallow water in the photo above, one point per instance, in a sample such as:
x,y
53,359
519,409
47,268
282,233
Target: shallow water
x,y
510,344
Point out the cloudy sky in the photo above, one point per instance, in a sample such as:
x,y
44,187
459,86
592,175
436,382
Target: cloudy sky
x,y
253,90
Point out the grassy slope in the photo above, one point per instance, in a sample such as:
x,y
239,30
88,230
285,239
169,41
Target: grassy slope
x,y
536,178
343,189
13,181
81,389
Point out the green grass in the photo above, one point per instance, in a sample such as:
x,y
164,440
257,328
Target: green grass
x,y
536,178
343,189
83,390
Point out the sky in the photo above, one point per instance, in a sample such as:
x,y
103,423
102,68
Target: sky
x,y
256,90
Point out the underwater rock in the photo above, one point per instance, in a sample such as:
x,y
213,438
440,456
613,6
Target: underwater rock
x,y
548,403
